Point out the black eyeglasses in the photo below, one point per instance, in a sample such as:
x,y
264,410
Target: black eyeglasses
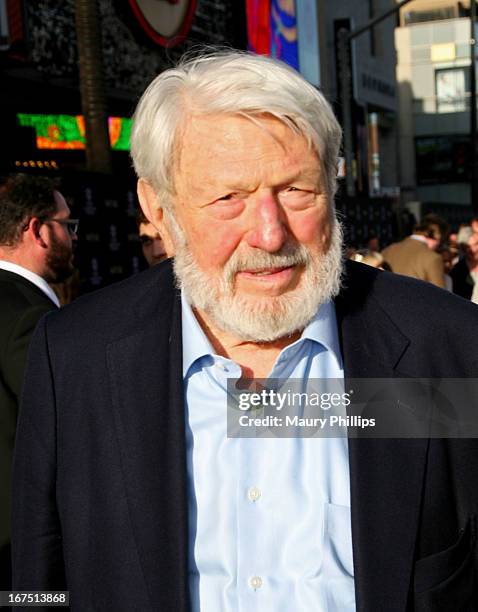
x,y
71,224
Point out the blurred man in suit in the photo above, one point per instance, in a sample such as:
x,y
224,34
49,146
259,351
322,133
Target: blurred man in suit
x,y
151,242
465,272
415,255
36,240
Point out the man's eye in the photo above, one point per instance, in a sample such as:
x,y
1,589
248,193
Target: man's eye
x,y
294,191
297,198
145,241
229,196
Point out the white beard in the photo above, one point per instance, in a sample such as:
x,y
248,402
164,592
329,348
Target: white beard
x,y
251,318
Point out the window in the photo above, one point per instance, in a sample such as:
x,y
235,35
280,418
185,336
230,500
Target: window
x,y
431,15
452,87
442,159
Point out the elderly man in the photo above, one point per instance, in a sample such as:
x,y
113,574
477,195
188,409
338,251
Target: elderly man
x,y
35,249
131,495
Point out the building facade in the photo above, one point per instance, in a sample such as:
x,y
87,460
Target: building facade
x,y
433,75
374,90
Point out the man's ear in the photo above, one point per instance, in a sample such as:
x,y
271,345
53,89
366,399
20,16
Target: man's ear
x,y
149,202
33,232
154,212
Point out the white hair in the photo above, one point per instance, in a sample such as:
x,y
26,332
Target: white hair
x,y
234,83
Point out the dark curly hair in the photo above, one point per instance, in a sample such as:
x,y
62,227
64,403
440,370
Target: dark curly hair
x,y
22,197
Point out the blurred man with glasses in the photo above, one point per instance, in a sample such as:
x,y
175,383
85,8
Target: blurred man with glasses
x,y
36,248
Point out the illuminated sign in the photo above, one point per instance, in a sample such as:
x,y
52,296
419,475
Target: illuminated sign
x,y
272,29
68,131
287,30
166,22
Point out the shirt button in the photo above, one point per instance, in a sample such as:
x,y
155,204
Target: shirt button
x,y
254,494
255,582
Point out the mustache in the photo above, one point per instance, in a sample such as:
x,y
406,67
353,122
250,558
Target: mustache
x,y
290,254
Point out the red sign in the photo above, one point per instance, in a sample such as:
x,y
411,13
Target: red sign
x,y
166,22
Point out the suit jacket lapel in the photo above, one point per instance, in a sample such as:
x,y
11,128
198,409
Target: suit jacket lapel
x,y
386,475
145,369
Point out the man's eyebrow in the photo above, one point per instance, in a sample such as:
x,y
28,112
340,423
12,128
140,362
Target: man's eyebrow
x,y
312,173
230,184
309,174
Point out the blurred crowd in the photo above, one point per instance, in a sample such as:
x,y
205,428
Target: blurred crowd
x,y
431,253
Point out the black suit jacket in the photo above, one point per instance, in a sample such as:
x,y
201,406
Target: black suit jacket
x,y
463,282
22,304
100,469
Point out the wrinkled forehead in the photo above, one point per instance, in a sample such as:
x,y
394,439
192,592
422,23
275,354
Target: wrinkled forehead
x,y
226,139
233,126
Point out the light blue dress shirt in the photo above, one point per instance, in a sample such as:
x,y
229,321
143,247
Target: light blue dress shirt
x,y
269,518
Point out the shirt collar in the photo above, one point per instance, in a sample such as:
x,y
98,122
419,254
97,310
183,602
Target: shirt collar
x,y
195,341
32,277
419,237
322,329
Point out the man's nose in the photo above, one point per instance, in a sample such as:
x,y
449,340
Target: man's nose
x,y
269,231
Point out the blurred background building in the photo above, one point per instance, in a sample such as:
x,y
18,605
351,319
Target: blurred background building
x,y
40,94
374,91
433,74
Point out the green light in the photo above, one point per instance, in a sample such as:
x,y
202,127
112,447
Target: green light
x,y
68,131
